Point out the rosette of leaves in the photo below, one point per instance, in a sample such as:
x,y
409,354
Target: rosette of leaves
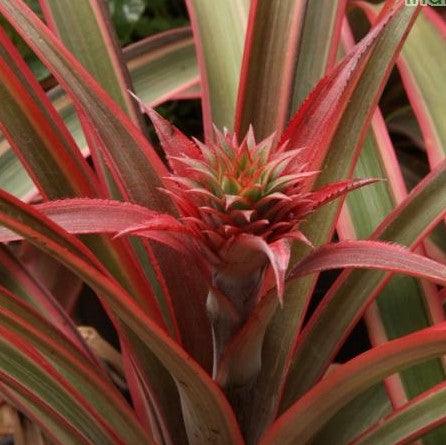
x,y
225,240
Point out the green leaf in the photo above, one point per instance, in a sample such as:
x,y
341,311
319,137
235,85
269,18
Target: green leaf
x,y
422,67
85,29
316,54
46,149
306,417
267,69
219,31
48,152
363,411
89,385
411,421
137,163
276,77
365,254
37,391
37,133
404,305
159,66
162,66
348,297
15,277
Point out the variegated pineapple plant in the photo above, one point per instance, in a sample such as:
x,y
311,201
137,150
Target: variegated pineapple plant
x,y
206,262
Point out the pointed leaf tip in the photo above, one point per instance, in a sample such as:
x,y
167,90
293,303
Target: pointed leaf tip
x,y
335,190
175,143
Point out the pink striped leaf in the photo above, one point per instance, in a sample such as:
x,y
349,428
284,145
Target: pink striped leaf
x,y
219,33
204,399
139,163
370,255
317,120
83,215
160,66
50,155
304,418
330,192
76,388
69,21
349,296
15,277
37,133
275,78
317,55
128,148
267,71
411,421
422,66
404,303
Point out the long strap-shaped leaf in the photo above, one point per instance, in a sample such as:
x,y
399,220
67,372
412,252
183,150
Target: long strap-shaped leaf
x,y
83,215
318,118
219,33
40,408
370,255
403,304
345,133
315,408
411,421
347,299
102,216
354,418
267,70
41,414
425,47
37,133
16,278
26,369
132,156
203,399
409,223
160,66
44,145
100,398
130,150
116,257
164,66
316,54
275,78
345,254
85,29
49,154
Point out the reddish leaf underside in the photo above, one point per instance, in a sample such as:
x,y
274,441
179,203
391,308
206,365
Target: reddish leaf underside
x,y
373,255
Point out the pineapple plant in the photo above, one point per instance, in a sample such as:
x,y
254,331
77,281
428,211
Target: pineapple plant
x,y
206,258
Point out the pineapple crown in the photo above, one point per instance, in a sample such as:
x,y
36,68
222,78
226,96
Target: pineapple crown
x,y
239,203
